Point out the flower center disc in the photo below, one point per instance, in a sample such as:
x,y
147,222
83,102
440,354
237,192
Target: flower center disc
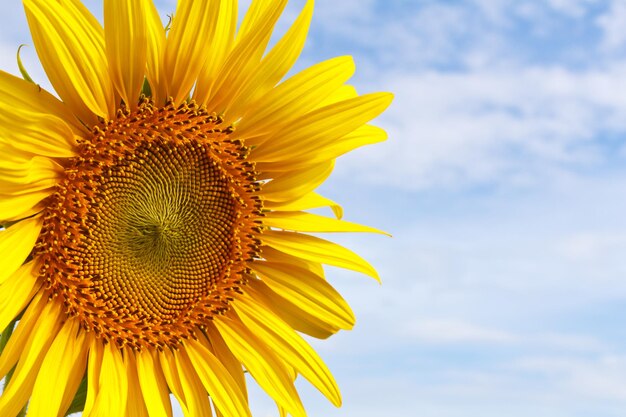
x,y
148,234
162,231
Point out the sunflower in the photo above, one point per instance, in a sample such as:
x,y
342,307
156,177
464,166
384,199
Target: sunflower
x,y
157,225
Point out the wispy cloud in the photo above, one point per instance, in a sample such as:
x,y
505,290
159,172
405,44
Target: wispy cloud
x,y
602,377
511,127
612,24
498,93
462,333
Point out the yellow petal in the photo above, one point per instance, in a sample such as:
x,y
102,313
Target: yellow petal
x,y
192,29
16,243
274,65
16,207
112,385
273,255
196,398
70,45
268,371
364,135
36,174
170,371
125,33
345,92
308,201
20,167
60,373
252,18
36,133
308,291
218,382
16,344
19,95
318,250
284,54
78,371
221,45
94,366
307,222
297,318
218,347
34,122
321,127
293,98
136,404
288,344
292,185
243,60
155,53
153,385
17,291
17,392
13,189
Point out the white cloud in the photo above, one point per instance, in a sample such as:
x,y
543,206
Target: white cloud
x,y
511,274
345,11
613,25
573,8
501,127
468,34
592,247
498,117
459,332
501,12
414,36
453,331
602,377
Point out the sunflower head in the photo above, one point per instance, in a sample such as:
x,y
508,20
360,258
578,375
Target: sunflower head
x,y
157,225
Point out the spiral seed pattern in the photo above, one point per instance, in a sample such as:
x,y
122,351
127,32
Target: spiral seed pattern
x,y
148,234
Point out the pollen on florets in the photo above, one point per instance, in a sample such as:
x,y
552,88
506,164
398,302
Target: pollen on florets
x,y
148,233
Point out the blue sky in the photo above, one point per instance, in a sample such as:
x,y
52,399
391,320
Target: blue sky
x,y
504,290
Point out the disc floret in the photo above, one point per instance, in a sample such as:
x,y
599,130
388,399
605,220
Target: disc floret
x,y
148,233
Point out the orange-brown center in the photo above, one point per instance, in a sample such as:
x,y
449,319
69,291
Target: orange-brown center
x,y
147,235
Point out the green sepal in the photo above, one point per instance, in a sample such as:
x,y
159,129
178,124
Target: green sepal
x,y
20,65
146,90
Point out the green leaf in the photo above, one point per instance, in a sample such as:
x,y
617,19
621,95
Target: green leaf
x,y
6,335
4,339
78,403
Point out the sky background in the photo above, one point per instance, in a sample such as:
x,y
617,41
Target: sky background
x,y
503,183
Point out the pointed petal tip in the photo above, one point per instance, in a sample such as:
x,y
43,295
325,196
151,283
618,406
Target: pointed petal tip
x,y
385,97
